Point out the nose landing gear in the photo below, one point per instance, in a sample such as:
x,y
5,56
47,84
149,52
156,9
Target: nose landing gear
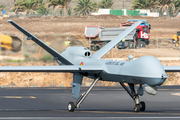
x,y
139,106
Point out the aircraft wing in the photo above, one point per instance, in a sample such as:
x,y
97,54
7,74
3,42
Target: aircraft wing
x,y
62,68
100,53
42,44
172,68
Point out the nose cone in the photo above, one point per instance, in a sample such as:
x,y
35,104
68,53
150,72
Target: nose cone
x,y
150,69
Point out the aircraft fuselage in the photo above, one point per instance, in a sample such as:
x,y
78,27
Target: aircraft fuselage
x,y
144,70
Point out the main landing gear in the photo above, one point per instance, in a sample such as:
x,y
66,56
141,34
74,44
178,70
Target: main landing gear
x,y
72,106
139,106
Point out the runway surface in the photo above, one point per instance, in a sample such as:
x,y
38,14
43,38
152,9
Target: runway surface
x,y
102,103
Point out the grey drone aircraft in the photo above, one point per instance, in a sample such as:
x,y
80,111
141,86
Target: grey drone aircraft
x,y
146,70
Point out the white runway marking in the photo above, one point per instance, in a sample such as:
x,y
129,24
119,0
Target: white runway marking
x,y
177,94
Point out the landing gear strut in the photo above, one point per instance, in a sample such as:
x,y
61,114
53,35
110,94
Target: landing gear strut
x,y
139,106
72,106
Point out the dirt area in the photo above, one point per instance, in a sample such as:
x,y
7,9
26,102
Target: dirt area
x,y
161,27
57,29
45,79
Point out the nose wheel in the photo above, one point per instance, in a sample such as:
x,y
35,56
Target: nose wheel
x,y
139,106
142,106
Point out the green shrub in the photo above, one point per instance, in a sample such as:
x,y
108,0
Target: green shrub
x,y
2,7
46,58
26,56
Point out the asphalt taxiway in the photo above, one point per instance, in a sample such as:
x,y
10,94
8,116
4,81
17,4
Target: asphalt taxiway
x,y
101,103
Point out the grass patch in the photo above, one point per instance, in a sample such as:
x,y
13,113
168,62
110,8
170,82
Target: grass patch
x,y
46,58
15,61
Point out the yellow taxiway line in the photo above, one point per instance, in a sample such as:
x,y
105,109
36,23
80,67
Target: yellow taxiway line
x,y
24,97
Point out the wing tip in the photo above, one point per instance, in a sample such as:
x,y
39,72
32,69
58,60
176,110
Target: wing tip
x,y
10,21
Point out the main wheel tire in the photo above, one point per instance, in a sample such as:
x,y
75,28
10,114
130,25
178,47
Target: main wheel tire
x,y
142,106
136,108
131,45
71,107
142,44
93,48
97,47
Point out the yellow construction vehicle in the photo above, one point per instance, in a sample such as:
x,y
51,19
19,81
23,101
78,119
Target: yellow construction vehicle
x,y
175,39
12,43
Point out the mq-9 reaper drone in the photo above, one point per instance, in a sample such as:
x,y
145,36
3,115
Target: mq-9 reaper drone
x,y
146,70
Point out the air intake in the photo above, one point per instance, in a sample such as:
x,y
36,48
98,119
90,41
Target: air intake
x,y
87,54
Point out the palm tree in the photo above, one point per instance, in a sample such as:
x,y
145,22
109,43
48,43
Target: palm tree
x,y
176,3
144,4
42,10
65,5
27,5
164,6
54,3
105,4
177,7
85,7
59,4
